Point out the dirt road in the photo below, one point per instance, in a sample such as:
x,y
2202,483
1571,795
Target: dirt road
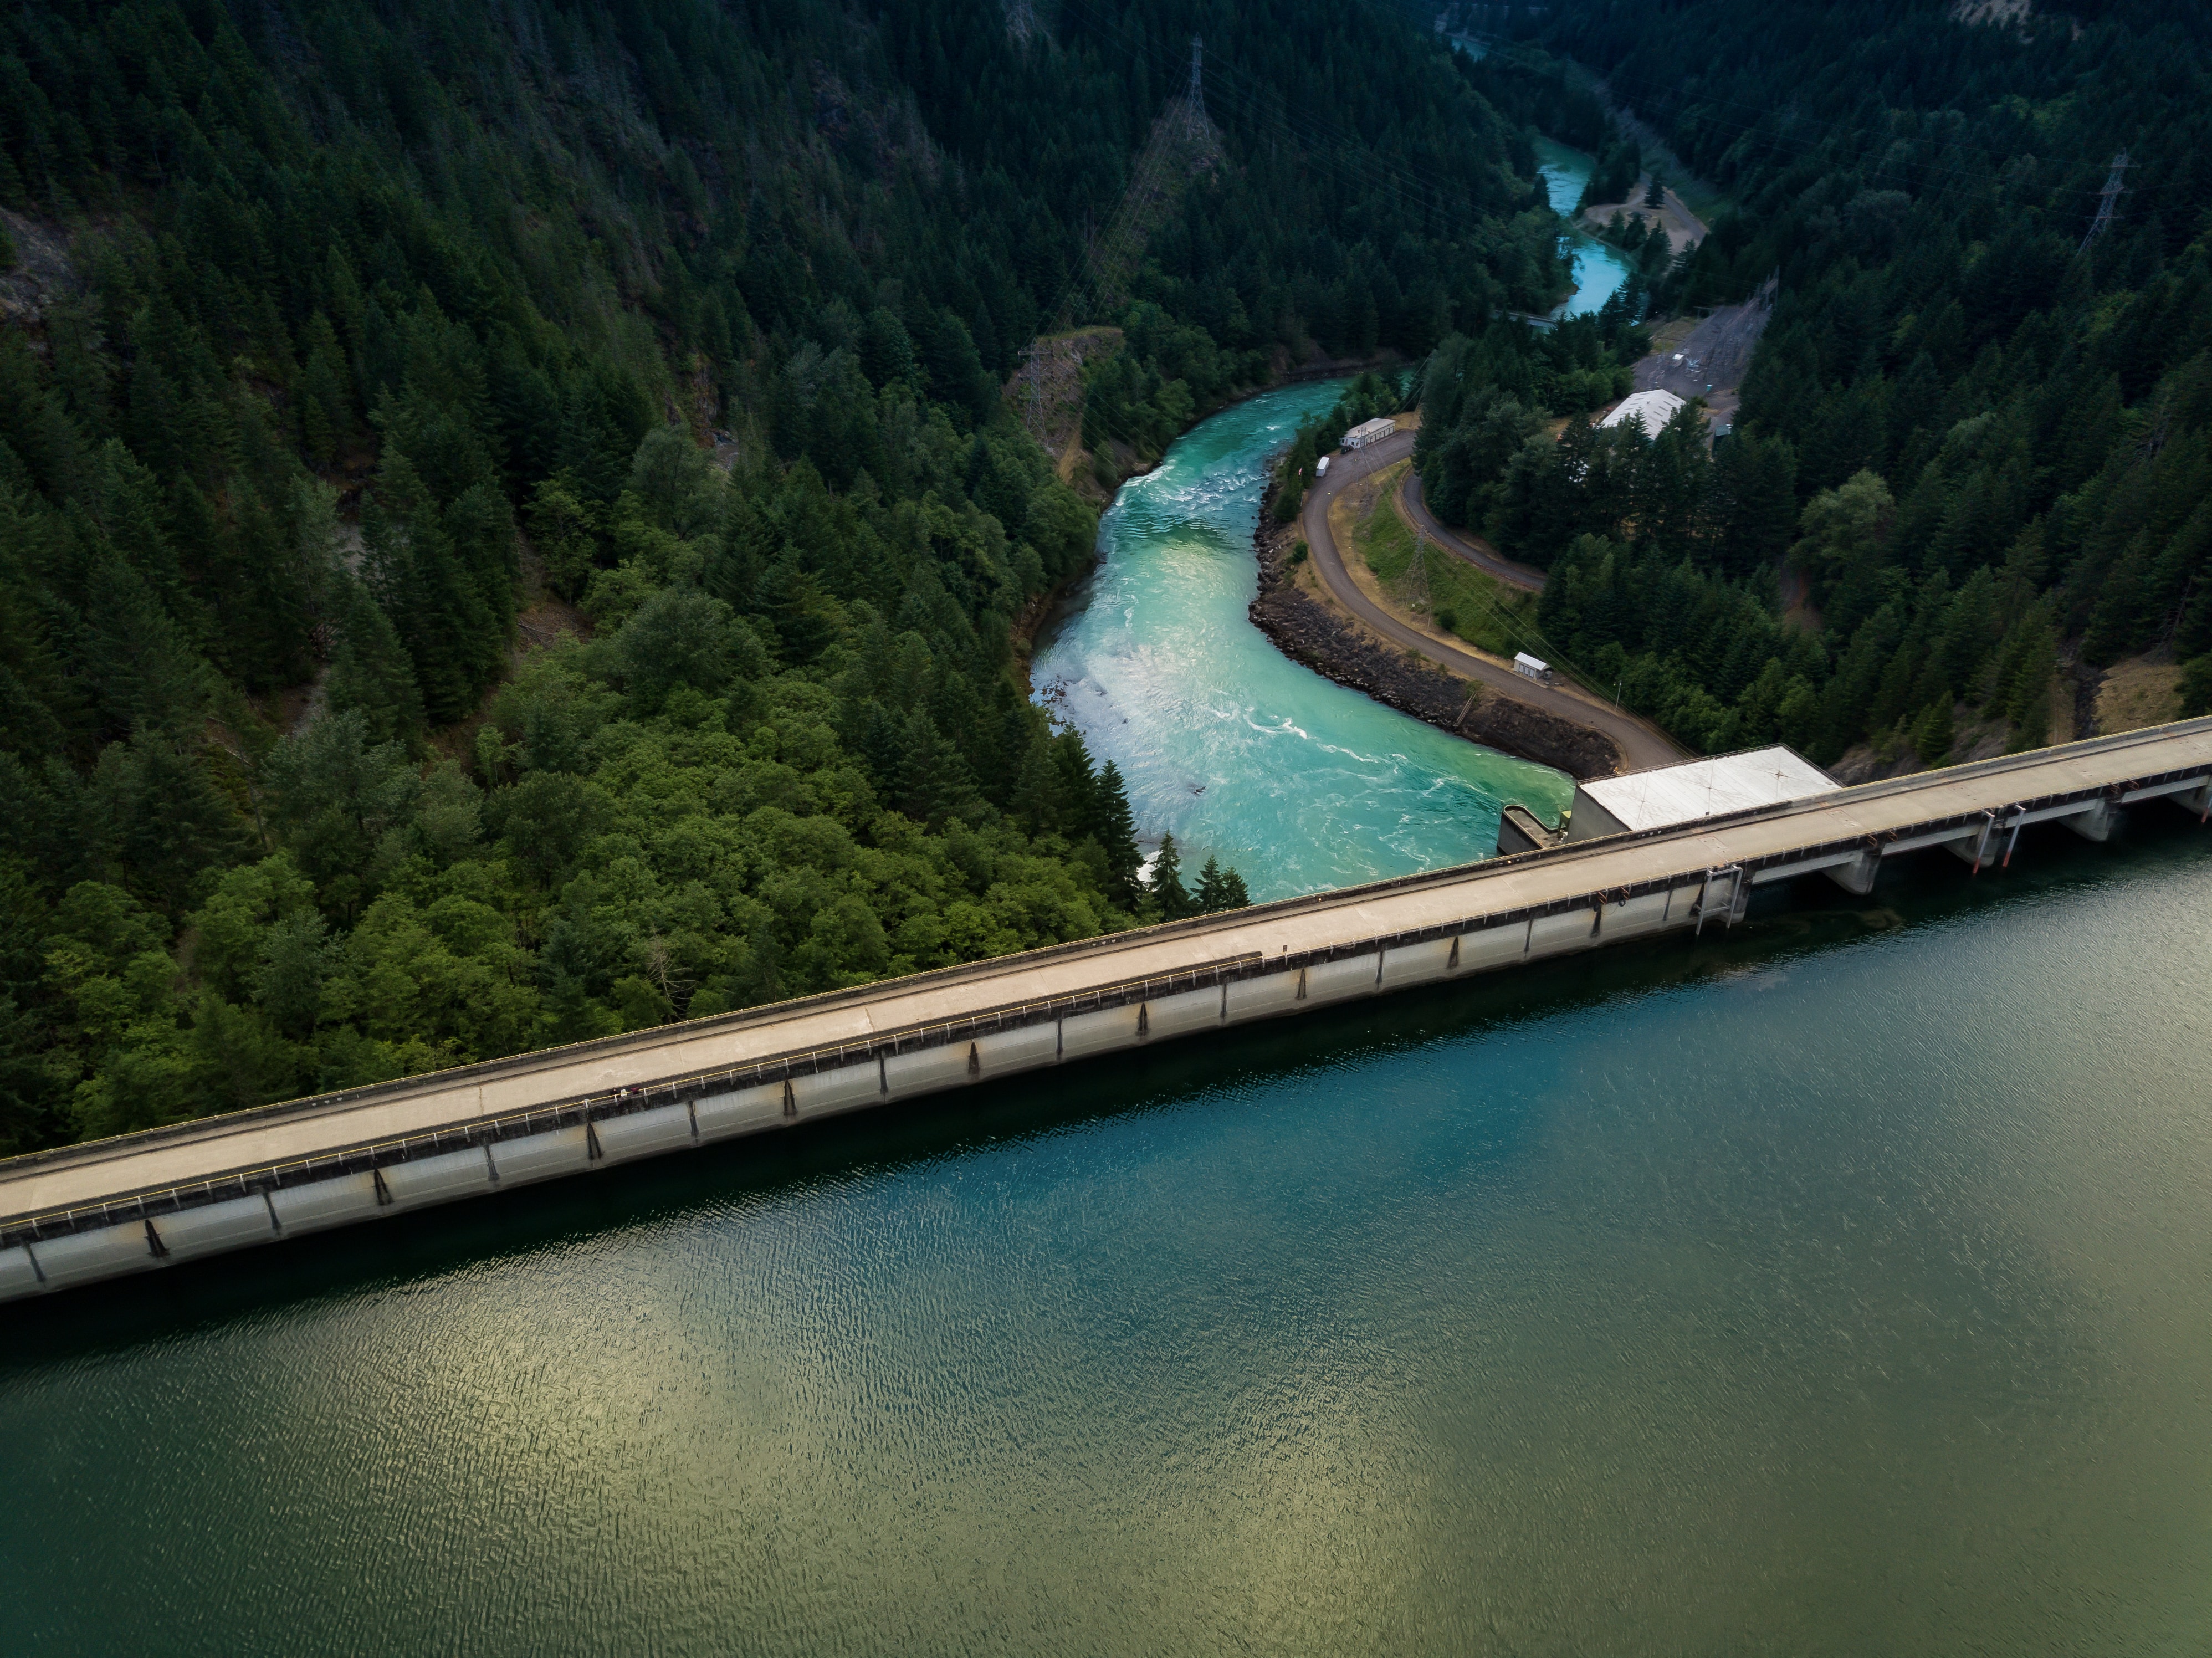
x,y
1643,744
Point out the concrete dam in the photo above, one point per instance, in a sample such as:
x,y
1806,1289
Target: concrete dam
x,y
77,1214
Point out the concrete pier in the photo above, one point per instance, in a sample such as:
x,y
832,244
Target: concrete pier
x,y
143,1202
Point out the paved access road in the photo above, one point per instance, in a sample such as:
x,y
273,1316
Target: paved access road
x,y
1483,557
1644,745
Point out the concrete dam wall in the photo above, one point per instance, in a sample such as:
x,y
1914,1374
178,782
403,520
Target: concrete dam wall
x,y
492,1155
78,1214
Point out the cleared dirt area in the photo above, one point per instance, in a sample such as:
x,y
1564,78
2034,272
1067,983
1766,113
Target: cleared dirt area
x,y
1710,361
2137,693
1047,390
42,272
1683,227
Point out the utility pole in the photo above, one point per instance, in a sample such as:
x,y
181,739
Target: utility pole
x,y
1195,100
2110,193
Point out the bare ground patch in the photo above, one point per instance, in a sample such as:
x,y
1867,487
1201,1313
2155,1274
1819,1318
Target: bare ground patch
x,y
2137,693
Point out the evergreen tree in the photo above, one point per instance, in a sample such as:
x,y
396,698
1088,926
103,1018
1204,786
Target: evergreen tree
x,y
1219,889
2196,687
369,671
1163,886
1932,735
1208,896
1116,829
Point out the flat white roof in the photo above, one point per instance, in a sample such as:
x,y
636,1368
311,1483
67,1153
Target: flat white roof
x,y
1523,659
1379,428
1702,788
1655,409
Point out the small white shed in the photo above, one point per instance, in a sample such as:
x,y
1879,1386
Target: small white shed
x,y
1367,432
1530,667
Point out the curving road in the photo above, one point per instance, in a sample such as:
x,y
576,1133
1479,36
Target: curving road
x,y
1482,554
1643,744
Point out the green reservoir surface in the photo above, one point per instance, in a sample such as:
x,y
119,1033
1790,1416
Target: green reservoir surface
x,y
1837,1284
1834,1284
1239,751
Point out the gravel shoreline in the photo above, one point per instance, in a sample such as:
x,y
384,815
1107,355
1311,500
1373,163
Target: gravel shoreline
x,y
1307,631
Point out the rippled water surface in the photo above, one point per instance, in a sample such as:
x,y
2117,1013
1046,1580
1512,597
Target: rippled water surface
x,y
1299,782
1839,1284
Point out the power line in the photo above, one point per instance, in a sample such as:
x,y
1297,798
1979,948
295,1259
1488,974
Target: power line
x,y
2107,197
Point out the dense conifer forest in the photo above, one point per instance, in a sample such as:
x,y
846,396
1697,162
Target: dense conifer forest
x,y
1975,453
509,527
512,528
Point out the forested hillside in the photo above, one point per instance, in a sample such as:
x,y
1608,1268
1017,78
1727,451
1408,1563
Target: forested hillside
x,y
339,337
1974,453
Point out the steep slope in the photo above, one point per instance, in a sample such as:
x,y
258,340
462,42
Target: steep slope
x,y
1975,443
335,332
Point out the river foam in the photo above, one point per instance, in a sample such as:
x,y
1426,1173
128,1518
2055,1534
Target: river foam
x,y
1240,752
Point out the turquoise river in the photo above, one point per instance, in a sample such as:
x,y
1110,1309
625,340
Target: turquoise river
x,y
1834,1284
1238,751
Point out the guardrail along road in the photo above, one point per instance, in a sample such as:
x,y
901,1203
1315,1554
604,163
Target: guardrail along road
x,y
84,1212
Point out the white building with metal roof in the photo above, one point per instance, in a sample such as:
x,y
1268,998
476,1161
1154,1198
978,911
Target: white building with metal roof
x,y
1669,796
1651,410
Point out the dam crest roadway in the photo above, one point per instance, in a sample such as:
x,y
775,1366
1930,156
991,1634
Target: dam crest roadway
x,y
77,1214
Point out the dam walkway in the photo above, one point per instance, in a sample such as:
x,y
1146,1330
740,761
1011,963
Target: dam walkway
x,y
79,1213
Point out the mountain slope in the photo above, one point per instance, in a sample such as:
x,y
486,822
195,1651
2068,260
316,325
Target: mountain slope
x,y
379,321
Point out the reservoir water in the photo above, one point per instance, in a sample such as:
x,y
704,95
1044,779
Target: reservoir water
x,y
1224,741
1834,1285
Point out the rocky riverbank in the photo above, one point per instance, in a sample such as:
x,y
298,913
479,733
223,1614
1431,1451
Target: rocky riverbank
x,y
1306,630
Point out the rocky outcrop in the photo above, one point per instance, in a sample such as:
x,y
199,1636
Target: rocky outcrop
x,y
1307,631
41,274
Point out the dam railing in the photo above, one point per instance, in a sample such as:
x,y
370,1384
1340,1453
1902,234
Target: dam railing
x,y
98,1209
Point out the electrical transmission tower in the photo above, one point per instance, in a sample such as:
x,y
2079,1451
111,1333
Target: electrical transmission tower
x,y
2109,194
1195,100
1416,585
